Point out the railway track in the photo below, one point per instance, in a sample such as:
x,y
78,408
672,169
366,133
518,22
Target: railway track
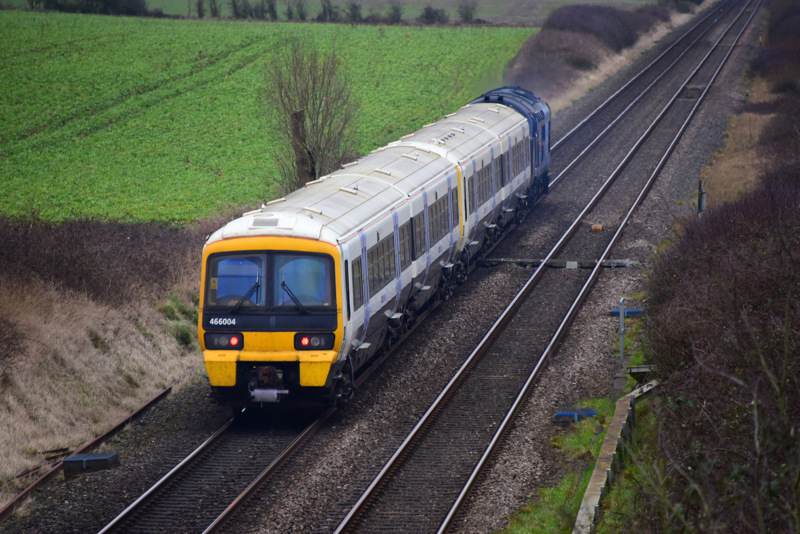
x,y
426,480
200,489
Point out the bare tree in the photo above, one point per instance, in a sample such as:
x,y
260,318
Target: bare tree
x,y
431,15
395,15
353,11
300,9
466,10
309,97
296,9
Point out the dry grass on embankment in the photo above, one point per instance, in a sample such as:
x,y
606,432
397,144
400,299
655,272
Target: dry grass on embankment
x,y
738,166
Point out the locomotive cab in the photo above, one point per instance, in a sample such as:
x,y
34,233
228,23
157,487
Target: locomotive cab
x,y
270,323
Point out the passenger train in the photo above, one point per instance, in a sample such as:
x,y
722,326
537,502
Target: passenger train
x,y
298,296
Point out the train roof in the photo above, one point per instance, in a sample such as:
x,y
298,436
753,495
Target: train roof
x,y
333,207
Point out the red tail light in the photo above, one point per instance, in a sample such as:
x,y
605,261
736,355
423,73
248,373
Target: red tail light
x,y
224,341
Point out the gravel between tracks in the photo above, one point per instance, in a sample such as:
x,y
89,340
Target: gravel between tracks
x,y
344,454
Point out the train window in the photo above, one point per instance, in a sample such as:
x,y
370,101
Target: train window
x,y
376,268
372,269
381,263
498,169
389,260
517,158
513,160
301,280
358,285
287,281
385,276
470,199
436,211
443,215
419,236
484,184
236,279
405,245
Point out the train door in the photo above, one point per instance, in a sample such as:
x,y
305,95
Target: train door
x,y
533,148
398,267
452,214
473,200
494,184
361,268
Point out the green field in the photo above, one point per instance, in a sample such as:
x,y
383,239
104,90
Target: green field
x,y
146,119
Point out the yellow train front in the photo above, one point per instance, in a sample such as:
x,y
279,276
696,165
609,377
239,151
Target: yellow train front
x,y
270,322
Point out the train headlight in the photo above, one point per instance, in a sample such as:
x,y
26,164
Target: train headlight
x,y
224,341
313,341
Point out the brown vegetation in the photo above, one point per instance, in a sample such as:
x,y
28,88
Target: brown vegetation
x,y
112,262
577,40
724,333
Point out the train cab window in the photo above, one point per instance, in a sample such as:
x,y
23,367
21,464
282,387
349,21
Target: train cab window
x,y
300,281
236,280
258,282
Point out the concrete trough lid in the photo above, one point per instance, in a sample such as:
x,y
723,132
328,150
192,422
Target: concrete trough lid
x,y
78,464
629,312
572,414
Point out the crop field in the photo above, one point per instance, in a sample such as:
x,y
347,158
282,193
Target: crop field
x,y
501,12
151,119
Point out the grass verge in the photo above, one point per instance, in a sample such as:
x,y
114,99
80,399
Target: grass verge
x,y
554,509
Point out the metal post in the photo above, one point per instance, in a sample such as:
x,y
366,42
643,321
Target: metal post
x,y
621,330
701,198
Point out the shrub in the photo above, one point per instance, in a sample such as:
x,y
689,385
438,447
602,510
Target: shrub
x,y
329,12
354,12
213,7
563,50
431,15
724,327
466,10
618,29
395,15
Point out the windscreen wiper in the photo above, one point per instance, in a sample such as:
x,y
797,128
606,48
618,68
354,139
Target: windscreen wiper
x,y
245,297
294,299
